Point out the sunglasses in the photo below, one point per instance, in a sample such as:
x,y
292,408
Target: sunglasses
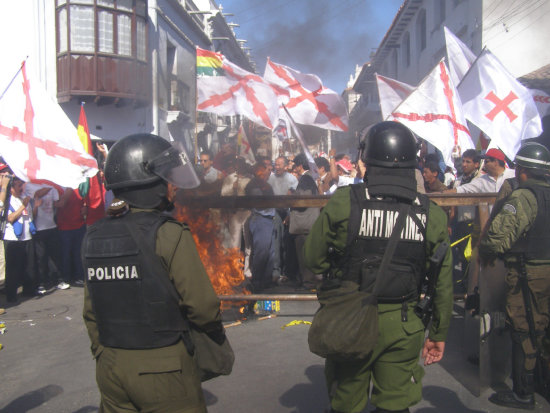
x,y
490,159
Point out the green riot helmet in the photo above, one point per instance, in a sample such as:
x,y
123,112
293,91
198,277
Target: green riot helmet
x,y
139,166
389,145
534,156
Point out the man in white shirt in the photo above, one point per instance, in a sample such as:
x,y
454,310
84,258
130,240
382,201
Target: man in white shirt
x,y
283,183
492,180
211,174
280,180
46,240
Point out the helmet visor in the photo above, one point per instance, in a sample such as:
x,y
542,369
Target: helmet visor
x,y
173,165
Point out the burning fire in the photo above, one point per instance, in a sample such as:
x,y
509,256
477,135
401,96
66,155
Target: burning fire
x,y
225,267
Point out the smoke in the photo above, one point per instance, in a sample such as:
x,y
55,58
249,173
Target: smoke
x,y
325,37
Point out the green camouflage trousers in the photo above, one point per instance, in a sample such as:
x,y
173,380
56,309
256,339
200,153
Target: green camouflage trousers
x,y
392,367
539,286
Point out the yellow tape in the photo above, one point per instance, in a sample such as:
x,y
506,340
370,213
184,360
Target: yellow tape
x,y
461,239
295,323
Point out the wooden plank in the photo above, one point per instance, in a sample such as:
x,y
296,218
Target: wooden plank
x,y
287,201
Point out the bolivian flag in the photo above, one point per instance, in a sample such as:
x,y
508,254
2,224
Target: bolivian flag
x,y
209,63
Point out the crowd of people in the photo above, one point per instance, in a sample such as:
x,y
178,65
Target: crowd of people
x,y
43,232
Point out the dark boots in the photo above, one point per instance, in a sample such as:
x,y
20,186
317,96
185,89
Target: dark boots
x,y
522,395
511,399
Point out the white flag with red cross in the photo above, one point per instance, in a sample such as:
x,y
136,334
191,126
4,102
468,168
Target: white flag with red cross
x,y
309,103
498,104
433,111
226,89
37,139
391,93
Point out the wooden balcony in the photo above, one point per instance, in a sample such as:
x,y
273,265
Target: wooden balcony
x,y
109,79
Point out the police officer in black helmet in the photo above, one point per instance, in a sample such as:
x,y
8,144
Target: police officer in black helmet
x,y
144,282
349,240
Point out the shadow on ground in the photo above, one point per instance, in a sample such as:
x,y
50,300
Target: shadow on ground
x,y
33,399
308,397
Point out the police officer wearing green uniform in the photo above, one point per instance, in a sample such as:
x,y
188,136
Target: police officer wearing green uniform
x,y
520,235
368,210
145,283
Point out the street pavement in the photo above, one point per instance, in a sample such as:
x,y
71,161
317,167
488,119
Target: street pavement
x,y
46,365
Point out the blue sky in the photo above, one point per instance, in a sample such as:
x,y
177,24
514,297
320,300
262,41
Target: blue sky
x,y
324,37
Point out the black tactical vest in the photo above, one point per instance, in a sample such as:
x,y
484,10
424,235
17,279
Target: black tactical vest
x,y
134,301
535,244
370,226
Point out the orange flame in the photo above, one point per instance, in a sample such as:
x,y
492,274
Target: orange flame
x,y
224,266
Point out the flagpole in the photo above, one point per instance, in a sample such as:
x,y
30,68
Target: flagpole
x,y
472,65
13,78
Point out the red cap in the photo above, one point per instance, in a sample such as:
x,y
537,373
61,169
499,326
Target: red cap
x,y
495,153
3,166
345,164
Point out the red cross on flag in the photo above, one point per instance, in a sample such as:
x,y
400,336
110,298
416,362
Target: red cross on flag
x,y
498,104
391,93
434,113
310,103
224,88
37,139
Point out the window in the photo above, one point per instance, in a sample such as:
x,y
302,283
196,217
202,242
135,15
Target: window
x,y
82,29
141,40
105,35
421,30
103,26
124,27
406,50
62,30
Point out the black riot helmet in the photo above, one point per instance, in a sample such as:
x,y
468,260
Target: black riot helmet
x,y
533,155
389,145
139,166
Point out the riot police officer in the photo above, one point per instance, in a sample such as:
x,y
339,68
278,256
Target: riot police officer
x,y
144,283
520,235
349,239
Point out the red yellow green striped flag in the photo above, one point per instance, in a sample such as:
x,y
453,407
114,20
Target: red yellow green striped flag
x,y
209,63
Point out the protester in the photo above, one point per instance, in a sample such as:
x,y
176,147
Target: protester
x,y
46,239
392,366
301,220
464,216
210,174
284,183
431,175
139,327
264,231
234,184
520,233
18,244
71,224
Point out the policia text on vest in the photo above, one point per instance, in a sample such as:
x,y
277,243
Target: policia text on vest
x,y
118,273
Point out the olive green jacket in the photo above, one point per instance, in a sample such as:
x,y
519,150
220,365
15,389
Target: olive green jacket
x,y
178,252
516,217
331,230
